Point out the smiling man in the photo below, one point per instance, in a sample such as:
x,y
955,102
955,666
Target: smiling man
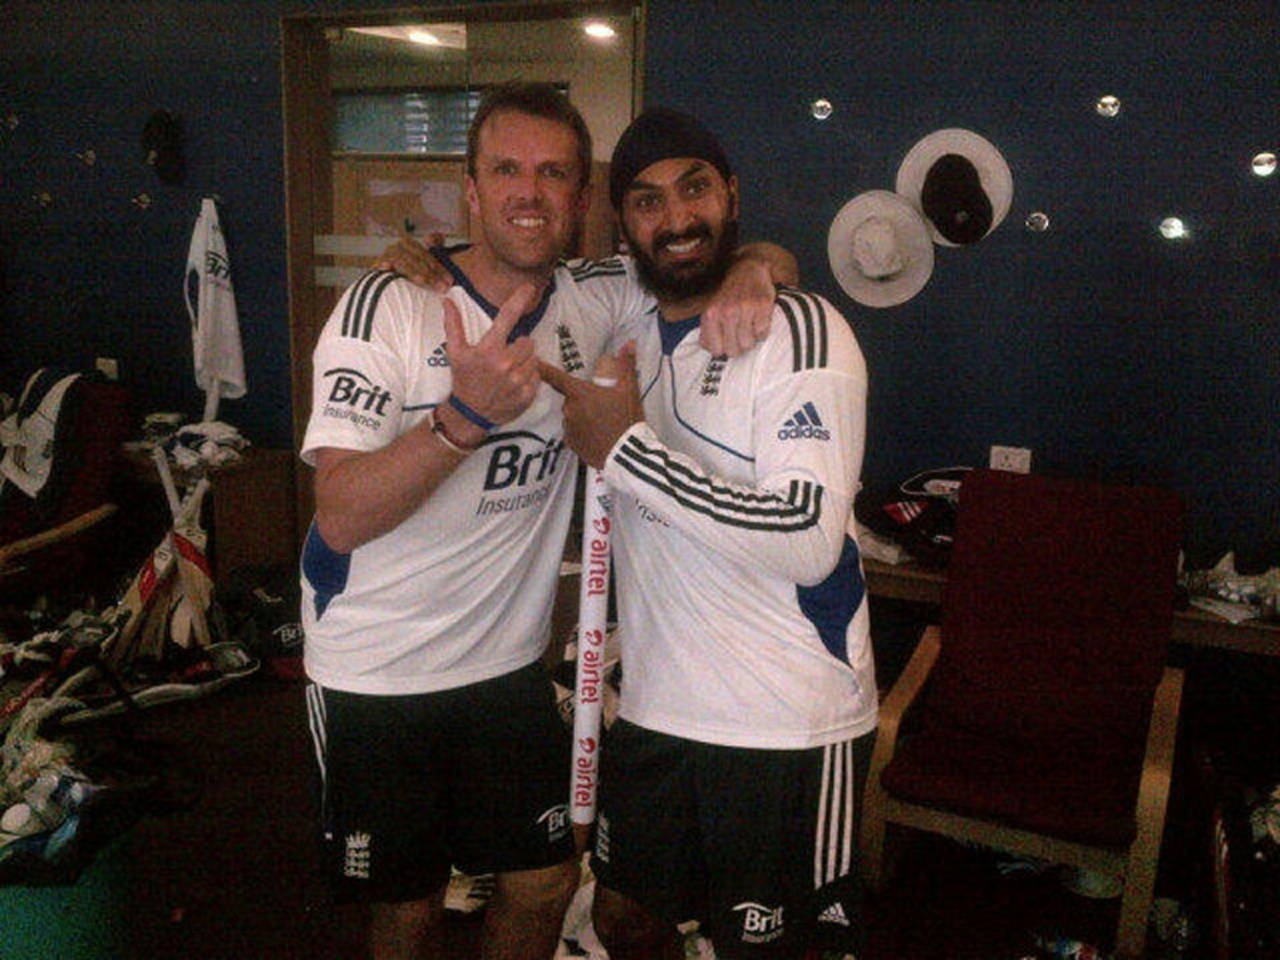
x,y
730,781
443,495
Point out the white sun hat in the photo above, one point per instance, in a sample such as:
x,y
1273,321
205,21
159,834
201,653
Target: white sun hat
x,y
960,182
879,249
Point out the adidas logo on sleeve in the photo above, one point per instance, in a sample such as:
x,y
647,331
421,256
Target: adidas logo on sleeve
x,y
804,424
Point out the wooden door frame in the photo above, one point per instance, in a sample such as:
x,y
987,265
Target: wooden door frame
x,y
306,105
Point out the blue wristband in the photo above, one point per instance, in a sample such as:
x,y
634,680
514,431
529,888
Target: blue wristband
x,y
478,419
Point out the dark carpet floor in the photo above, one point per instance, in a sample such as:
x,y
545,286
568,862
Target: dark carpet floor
x,y
231,873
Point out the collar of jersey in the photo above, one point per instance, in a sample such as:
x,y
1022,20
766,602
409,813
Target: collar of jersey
x,y
524,326
675,331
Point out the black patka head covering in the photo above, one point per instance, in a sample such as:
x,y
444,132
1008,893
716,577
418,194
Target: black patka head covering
x,y
660,134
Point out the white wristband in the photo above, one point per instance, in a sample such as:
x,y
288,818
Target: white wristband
x,y
442,435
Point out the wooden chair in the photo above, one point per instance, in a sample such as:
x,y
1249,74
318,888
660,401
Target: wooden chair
x,y
1042,715
56,542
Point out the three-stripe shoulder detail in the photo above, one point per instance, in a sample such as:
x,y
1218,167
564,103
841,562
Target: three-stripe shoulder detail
x,y
362,303
807,319
798,510
581,270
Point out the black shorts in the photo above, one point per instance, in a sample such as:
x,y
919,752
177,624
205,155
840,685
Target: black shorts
x,y
476,777
760,846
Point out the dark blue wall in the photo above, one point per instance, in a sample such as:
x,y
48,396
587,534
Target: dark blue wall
x,y
94,274
1102,347
1096,344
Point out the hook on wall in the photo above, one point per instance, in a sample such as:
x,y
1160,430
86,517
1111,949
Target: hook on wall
x,y
162,146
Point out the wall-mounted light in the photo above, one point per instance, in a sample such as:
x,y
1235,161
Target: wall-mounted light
x,y
424,37
1264,164
1172,228
599,30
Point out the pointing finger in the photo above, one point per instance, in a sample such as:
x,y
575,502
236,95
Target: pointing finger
x,y
557,379
627,357
608,369
512,309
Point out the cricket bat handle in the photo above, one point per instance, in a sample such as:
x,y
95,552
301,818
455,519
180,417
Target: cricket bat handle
x,y
593,627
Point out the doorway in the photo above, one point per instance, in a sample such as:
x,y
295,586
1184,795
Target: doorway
x,y
376,106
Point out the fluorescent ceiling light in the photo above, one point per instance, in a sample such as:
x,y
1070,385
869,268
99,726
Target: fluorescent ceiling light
x,y
451,35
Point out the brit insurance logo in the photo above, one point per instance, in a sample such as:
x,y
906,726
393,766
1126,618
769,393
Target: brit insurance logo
x,y
520,471
760,923
556,820
353,396
804,424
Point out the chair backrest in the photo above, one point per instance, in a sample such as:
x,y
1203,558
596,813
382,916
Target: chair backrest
x,y
85,466
1057,610
87,439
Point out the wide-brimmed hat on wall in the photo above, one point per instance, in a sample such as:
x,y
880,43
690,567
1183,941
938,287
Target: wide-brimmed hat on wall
x,y
960,182
879,249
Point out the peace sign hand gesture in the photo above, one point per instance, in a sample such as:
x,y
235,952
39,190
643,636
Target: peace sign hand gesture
x,y
496,379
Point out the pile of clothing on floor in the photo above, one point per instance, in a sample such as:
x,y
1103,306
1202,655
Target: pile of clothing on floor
x,y
64,798
66,788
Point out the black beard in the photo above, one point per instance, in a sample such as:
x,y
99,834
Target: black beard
x,y
681,283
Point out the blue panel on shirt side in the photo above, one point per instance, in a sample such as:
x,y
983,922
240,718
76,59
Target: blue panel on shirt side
x,y
325,569
831,604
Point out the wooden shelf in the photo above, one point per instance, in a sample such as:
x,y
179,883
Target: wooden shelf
x,y
1196,628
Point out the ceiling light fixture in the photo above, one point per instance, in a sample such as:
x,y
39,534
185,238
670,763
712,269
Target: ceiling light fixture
x,y
598,30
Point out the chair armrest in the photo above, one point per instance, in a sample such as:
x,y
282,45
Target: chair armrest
x,y
1162,734
911,680
875,800
904,692
63,531
1149,814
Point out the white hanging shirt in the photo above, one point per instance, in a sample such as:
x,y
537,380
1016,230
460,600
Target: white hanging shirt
x,y
215,326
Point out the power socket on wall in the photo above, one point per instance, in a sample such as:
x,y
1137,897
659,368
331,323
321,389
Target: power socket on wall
x,y
1013,459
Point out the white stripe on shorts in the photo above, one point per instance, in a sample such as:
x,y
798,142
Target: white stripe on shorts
x,y
833,840
315,720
